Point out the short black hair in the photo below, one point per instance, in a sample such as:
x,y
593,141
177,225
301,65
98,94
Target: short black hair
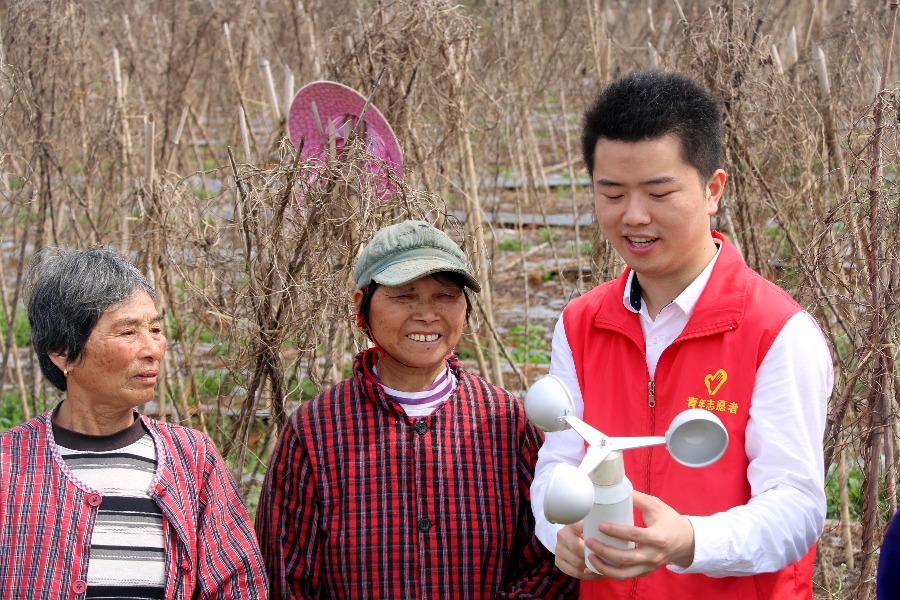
x,y
646,105
67,293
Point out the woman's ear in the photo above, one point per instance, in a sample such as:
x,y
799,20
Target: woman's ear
x,y
59,359
357,299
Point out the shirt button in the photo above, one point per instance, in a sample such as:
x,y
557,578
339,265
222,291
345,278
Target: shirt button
x,y
420,427
94,499
654,339
79,586
424,524
185,565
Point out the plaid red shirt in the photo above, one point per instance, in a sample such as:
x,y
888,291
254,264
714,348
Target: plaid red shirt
x,y
361,501
47,516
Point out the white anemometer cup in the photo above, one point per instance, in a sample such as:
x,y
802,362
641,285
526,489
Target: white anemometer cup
x,y
598,491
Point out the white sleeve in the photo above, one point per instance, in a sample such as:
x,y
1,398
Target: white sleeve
x,y
786,511
562,446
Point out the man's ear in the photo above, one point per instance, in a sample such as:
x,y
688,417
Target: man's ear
x,y
715,187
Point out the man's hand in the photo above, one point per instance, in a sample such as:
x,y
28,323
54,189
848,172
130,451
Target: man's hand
x,y
667,537
570,552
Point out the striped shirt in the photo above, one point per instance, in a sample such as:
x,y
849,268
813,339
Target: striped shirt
x,y
361,500
127,558
421,404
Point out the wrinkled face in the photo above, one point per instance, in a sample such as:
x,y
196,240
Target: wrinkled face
x,y
121,359
417,324
654,208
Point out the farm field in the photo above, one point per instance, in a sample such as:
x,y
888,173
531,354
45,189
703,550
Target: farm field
x,y
162,129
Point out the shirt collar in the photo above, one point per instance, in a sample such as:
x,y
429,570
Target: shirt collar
x,y
686,300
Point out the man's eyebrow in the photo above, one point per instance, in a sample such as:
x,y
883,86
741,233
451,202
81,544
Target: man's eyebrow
x,y
655,181
659,180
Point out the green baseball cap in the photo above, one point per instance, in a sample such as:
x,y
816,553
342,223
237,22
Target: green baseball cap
x,y
407,251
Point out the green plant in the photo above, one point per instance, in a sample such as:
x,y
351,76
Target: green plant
x,y
10,411
563,191
855,495
584,248
512,244
547,234
21,328
191,329
308,389
202,194
527,344
211,384
833,493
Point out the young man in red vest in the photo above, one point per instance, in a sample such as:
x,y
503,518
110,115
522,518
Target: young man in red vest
x,y
687,325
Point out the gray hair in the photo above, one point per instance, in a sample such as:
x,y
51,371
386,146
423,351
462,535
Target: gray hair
x,y
67,291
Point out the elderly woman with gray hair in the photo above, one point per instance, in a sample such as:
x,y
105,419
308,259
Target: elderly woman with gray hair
x,y
96,500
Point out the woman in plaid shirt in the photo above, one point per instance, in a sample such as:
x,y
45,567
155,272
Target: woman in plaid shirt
x,y
410,479
97,501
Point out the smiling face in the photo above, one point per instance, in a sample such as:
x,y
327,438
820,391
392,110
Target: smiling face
x,y
121,359
416,325
654,209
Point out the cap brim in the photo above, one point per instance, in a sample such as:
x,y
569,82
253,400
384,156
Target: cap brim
x,y
409,270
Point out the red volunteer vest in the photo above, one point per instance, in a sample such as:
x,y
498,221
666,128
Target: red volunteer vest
x,y
711,365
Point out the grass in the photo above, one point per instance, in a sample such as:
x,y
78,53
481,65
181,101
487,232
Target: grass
x,y
10,410
512,244
21,328
832,493
855,493
547,234
583,249
528,344
212,384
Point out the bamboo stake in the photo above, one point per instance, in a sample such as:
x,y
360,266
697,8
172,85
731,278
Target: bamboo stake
x,y
879,290
579,287
813,15
14,349
288,97
149,157
522,197
235,74
475,223
776,60
836,154
125,143
312,40
844,501
270,88
245,137
793,54
177,139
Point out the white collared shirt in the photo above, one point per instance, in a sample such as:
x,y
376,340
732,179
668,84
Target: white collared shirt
x,y
786,511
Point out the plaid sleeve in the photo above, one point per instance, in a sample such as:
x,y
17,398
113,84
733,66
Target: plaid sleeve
x,y
535,575
230,565
287,520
